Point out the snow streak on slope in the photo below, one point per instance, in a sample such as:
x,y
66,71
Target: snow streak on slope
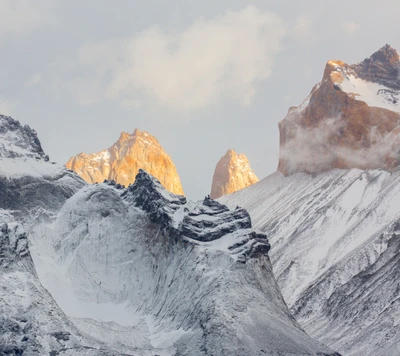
x,y
153,274
335,253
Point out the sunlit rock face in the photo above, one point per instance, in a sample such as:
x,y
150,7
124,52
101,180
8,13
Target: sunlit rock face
x,y
232,173
351,119
122,161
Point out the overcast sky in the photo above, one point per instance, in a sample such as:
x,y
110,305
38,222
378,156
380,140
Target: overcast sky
x,y
201,76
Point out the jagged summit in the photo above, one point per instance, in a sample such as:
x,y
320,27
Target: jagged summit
x,y
122,161
349,120
232,173
382,67
385,54
203,221
18,141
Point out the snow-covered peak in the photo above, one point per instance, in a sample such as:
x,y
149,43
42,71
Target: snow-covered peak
x,y
18,141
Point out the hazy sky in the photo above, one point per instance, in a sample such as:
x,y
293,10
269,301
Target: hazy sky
x,y
201,76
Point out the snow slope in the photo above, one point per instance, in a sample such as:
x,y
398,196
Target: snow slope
x,y
32,190
373,94
31,323
335,253
152,274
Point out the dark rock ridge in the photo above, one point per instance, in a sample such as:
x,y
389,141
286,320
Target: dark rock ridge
x,y
148,194
382,67
19,141
204,221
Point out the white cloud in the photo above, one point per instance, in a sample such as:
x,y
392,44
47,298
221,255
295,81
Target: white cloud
x,y
351,28
22,16
34,80
7,106
225,57
303,30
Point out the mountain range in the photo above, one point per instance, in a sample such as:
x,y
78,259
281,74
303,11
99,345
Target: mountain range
x,y
107,257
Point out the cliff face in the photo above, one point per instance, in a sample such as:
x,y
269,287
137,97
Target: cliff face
x,y
122,161
351,119
232,173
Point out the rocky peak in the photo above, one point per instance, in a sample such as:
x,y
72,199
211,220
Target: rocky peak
x,y
382,67
232,173
203,221
348,119
122,161
18,141
148,194
386,54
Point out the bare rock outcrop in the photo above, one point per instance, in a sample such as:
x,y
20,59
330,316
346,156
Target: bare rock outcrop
x,y
351,119
122,161
232,173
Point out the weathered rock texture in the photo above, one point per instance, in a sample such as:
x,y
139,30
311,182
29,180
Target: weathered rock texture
x,y
232,173
350,119
122,161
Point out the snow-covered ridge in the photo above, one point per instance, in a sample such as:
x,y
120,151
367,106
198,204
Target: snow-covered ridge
x,y
201,223
335,253
165,276
19,141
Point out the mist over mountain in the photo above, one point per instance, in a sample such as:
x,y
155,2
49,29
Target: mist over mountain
x,y
331,216
349,120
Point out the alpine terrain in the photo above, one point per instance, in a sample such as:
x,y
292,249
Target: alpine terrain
x,y
335,233
106,270
122,161
232,173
